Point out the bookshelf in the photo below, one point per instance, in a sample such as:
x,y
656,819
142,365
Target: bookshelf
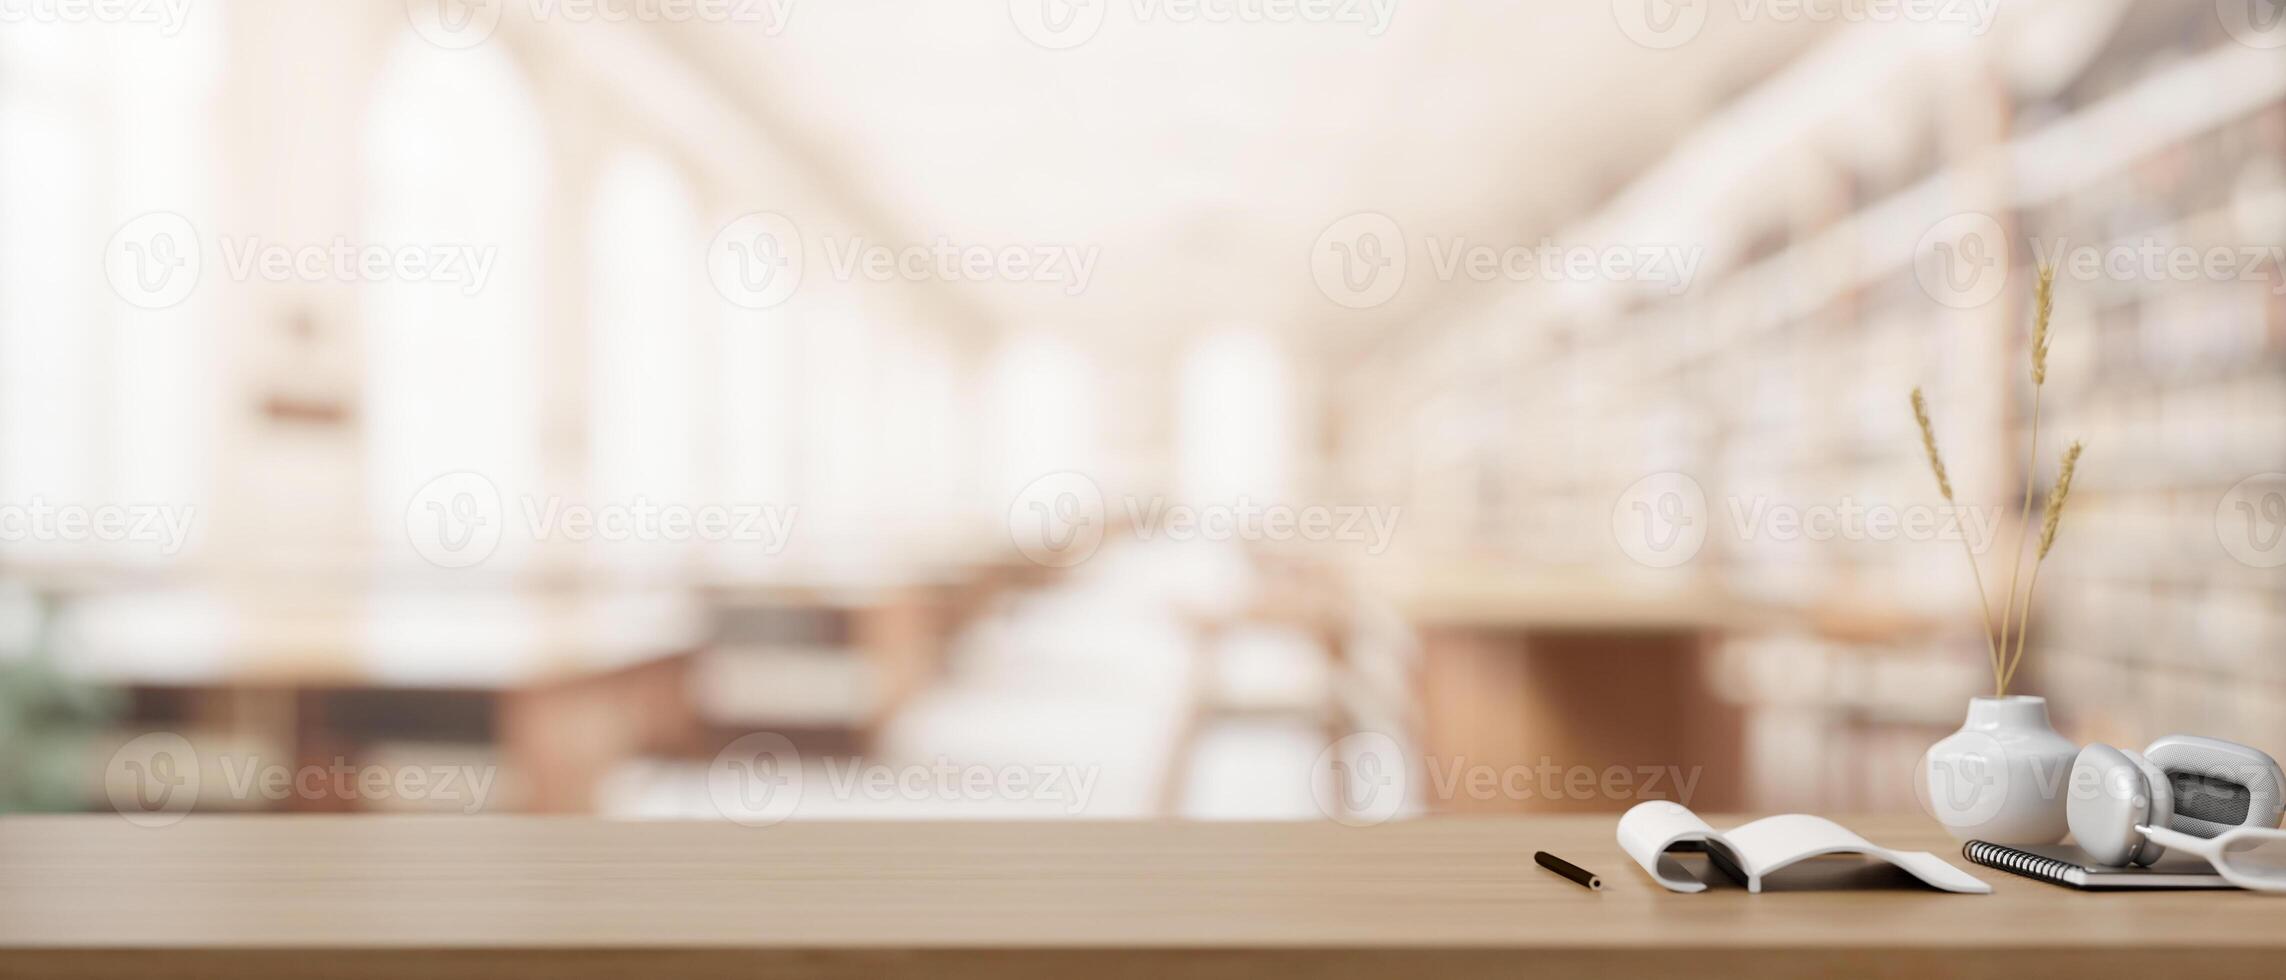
x,y
1779,378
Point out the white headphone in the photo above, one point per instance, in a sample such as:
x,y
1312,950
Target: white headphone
x,y
2180,785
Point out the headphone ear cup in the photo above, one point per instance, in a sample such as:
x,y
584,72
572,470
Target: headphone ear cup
x,y
2110,797
2222,784
2161,812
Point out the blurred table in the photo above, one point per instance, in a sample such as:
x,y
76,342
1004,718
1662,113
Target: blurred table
x,y
563,683
566,676
1520,675
387,896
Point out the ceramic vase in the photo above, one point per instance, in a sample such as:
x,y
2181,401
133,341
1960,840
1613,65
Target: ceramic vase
x,y
2002,777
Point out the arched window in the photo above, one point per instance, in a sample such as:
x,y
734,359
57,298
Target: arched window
x,y
454,158
1044,415
164,403
840,409
49,296
644,275
758,377
102,392
922,437
1235,432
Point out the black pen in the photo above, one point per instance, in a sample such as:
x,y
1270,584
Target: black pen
x,y
1583,876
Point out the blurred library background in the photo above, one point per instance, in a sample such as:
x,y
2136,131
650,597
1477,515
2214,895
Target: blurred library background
x,y
1042,409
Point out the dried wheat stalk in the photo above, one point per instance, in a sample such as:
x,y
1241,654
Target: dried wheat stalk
x,y
2004,659
1945,487
2044,306
2058,495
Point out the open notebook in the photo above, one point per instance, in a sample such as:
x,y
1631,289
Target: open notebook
x,y
1753,851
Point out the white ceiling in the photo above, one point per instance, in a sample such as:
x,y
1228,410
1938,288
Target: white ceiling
x,y
1205,158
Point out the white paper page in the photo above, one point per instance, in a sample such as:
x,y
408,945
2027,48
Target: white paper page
x,y
1648,829
1771,843
1775,842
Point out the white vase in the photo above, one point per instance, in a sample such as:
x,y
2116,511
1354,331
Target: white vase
x,y
2002,777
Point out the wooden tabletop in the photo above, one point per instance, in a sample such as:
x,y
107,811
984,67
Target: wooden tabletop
x,y
571,897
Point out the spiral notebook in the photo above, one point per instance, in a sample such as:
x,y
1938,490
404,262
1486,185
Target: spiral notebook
x,y
2063,864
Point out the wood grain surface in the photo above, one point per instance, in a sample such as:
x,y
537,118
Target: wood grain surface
x,y
573,897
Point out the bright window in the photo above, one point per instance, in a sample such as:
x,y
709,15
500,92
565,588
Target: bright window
x,y
454,158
